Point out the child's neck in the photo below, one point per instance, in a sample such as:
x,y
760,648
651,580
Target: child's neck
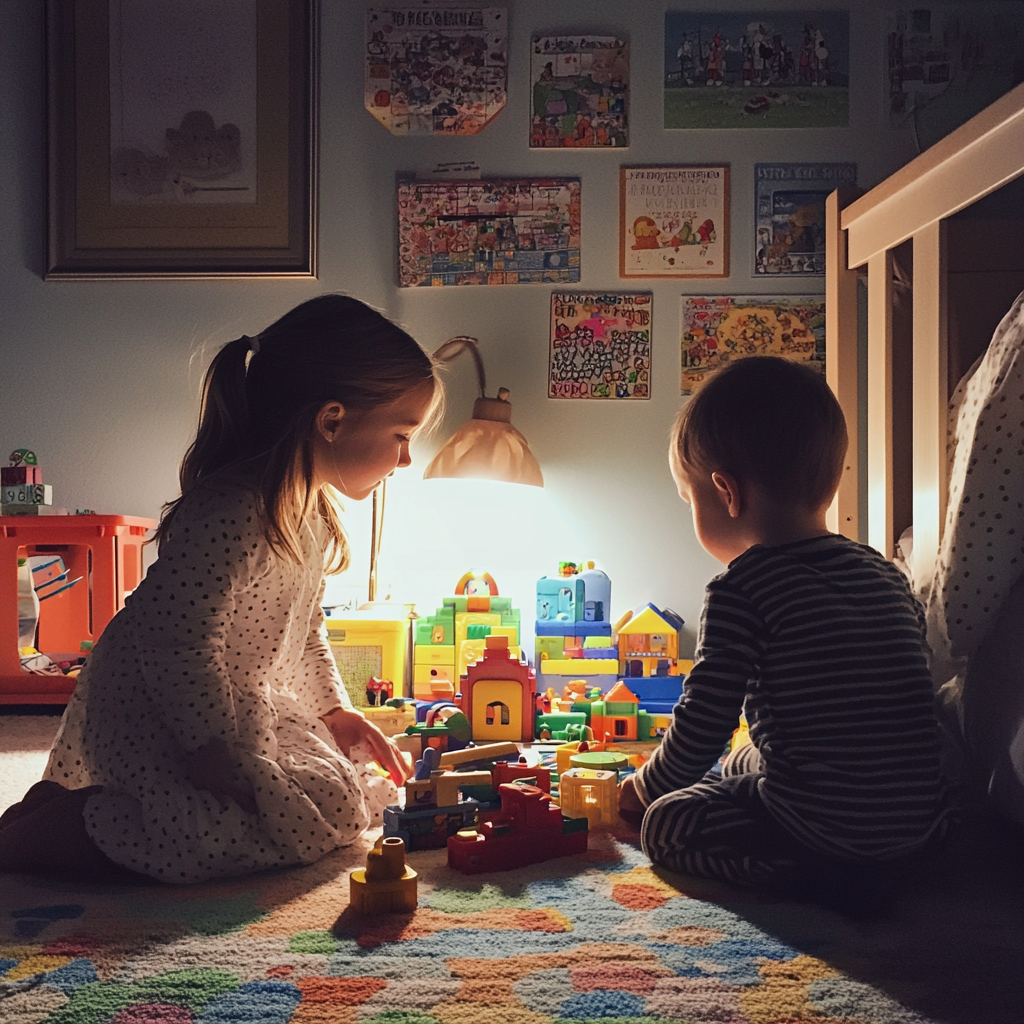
x,y
773,522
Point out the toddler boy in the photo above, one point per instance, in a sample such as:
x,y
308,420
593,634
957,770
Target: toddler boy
x,y
817,638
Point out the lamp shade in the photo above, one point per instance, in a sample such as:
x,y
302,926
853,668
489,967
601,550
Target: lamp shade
x,y
487,447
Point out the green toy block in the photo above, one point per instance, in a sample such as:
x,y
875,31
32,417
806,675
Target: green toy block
x,y
597,641
552,646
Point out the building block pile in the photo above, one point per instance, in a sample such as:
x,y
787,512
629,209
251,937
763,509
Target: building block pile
x,y
22,491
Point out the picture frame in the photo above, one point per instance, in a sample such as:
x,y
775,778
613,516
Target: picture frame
x,y
674,221
180,188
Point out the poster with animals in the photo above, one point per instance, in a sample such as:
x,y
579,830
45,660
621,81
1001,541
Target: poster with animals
x,y
436,70
759,69
580,92
491,232
600,345
789,215
718,328
674,221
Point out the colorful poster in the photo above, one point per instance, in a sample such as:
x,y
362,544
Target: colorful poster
x,y
600,345
946,63
436,70
674,221
717,328
580,92
505,231
789,215
777,69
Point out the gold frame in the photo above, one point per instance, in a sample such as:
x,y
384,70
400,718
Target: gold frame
x,y
91,239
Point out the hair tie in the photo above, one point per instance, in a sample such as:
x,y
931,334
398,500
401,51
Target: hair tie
x,y
254,344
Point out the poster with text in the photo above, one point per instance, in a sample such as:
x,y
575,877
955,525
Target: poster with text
x,y
759,69
490,232
674,221
945,63
580,92
436,70
789,216
719,328
600,345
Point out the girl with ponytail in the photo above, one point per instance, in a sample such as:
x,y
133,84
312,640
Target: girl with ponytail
x,y
210,733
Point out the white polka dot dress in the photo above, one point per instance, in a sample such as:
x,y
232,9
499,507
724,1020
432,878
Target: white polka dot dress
x,y
223,638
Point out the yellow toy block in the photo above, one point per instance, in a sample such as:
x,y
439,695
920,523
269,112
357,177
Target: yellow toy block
x,y
387,885
448,784
473,650
580,666
590,793
486,751
443,654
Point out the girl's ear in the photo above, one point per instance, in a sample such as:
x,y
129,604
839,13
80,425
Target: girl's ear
x,y
328,420
728,490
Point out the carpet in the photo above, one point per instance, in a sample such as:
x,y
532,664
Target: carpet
x,y
599,938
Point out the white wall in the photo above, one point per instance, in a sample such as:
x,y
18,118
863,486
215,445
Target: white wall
x,y
101,378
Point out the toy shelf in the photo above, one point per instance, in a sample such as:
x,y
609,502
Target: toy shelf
x,y
106,551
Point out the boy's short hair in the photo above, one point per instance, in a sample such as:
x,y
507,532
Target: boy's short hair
x,y
768,421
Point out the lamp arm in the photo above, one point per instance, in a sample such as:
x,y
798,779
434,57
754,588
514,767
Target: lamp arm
x,y
451,348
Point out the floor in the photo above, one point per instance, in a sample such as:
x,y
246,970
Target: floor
x,y
25,740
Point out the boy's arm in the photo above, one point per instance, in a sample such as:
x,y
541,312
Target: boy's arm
x,y
732,639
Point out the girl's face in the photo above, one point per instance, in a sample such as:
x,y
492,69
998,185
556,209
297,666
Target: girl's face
x,y
354,450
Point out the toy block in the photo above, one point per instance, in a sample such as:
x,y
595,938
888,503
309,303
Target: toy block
x,y
16,476
512,771
602,641
601,653
590,793
430,683
564,753
27,494
450,784
391,720
561,725
580,667
575,629
465,619
478,754
434,654
603,760
387,885
24,510
651,726
478,604
471,651
548,647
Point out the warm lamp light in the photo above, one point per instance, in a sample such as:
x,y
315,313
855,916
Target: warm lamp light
x,y
488,447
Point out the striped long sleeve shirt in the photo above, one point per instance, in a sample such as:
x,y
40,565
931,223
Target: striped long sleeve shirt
x,y
821,643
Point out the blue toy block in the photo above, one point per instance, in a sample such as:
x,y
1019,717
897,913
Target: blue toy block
x,y
600,652
573,629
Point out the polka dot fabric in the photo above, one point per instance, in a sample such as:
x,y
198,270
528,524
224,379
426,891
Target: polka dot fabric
x,y
982,550
223,638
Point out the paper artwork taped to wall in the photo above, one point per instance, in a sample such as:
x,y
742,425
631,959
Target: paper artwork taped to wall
x,y
719,328
600,345
674,221
503,231
580,92
789,216
946,63
777,69
436,70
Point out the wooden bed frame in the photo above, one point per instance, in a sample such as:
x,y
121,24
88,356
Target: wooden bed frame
x,y
911,211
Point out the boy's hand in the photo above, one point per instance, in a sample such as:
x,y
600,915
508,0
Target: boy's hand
x,y
213,768
350,728
630,805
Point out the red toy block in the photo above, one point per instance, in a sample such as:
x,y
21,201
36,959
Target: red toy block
x,y
15,476
511,771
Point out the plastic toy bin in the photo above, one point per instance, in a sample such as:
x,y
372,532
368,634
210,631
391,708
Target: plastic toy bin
x,y
371,642
106,551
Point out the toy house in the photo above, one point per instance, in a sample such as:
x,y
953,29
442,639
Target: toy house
x,y
498,695
648,653
615,717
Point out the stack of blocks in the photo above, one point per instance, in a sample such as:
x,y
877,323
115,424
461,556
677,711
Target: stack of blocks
x,y
22,491
446,642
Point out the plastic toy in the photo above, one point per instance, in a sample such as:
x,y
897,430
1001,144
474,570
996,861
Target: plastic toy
x,y
615,717
378,691
599,760
370,641
590,793
528,829
387,885
393,717
649,643
567,750
512,771
484,754
498,695
22,491
443,726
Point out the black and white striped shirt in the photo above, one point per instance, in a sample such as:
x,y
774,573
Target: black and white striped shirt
x,y
822,644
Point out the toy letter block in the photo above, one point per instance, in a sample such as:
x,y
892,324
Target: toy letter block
x,y
15,476
590,793
27,494
387,885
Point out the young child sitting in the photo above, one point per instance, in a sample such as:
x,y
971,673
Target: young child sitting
x,y
816,638
210,733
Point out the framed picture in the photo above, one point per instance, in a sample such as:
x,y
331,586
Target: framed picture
x,y
674,221
789,216
600,345
182,139
720,328
757,69
490,232
580,92
436,70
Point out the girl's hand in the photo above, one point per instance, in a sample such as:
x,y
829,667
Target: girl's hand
x,y
630,805
213,768
349,728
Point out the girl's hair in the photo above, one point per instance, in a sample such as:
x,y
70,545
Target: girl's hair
x,y
261,397
768,421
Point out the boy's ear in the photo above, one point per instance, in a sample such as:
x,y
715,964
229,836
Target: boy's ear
x,y
728,490
328,420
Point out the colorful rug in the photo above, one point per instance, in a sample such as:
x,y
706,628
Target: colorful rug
x,y
600,939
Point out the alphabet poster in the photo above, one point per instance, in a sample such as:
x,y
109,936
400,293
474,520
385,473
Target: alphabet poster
x,y
674,221
580,86
436,70
600,345
503,231
718,328
790,215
